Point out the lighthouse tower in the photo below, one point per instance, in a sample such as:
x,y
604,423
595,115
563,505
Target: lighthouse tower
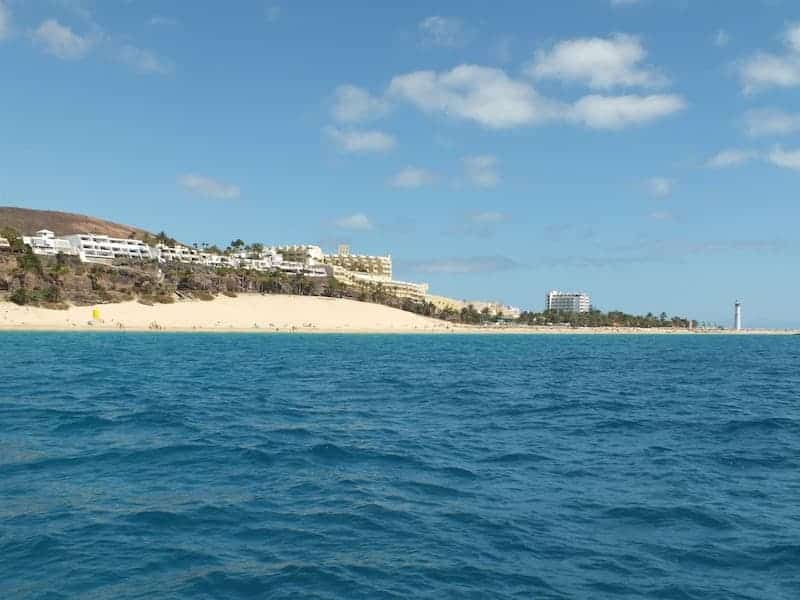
x,y
737,316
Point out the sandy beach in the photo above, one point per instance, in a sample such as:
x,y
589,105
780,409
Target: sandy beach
x,y
267,313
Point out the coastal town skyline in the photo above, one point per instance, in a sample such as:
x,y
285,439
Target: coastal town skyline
x,y
485,151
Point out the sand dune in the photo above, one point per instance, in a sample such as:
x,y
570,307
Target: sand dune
x,y
245,312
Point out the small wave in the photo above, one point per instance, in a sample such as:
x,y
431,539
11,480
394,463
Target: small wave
x,y
292,431
778,555
85,425
160,519
280,535
254,455
754,460
459,472
666,516
221,584
676,592
516,457
434,489
331,452
38,547
765,425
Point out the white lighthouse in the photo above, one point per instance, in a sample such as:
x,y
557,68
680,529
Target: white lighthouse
x,y
737,316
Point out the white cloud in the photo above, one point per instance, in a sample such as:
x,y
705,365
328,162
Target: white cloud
x,y
5,20
787,159
600,63
353,104
356,222
481,94
354,140
448,32
209,187
660,187
731,158
61,41
771,121
481,171
764,70
616,112
412,177
489,97
792,37
722,38
144,61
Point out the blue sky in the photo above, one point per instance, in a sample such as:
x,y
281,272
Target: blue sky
x,y
647,152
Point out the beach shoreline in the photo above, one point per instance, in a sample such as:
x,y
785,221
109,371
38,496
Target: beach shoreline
x,y
255,313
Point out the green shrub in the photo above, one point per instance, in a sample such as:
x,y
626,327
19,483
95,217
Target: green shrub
x,y
29,262
20,297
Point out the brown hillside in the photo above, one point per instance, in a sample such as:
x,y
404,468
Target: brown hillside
x,y
27,221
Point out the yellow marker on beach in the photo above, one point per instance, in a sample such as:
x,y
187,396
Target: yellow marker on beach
x,y
96,314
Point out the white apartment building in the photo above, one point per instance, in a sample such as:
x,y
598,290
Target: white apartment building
x,y
93,247
46,243
306,254
401,289
497,308
299,268
178,253
575,302
266,260
377,266
4,244
218,260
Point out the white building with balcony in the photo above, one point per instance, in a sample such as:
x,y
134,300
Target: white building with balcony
x,y
93,247
401,289
178,253
573,302
377,266
306,254
46,243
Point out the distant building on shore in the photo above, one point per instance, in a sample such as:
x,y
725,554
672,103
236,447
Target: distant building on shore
x,y
377,266
376,271
737,316
46,243
90,246
574,302
494,309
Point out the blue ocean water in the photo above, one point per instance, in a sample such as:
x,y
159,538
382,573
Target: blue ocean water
x,y
315,466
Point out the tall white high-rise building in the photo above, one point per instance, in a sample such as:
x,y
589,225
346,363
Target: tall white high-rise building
x,y
737,316
576,302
